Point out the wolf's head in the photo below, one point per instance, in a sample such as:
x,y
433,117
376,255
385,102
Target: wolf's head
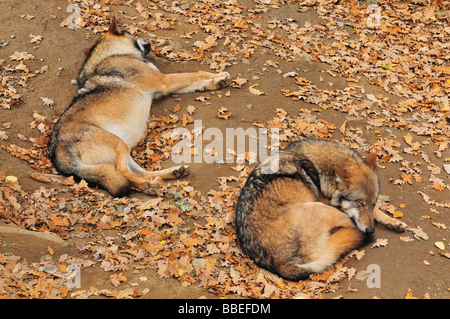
x,y
357,190
114,42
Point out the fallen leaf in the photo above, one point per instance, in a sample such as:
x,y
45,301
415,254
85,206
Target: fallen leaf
x,y
36,38
351,273
223,113
439,225
255,91
397,214
176,108
191,109
238,82
291,74
447,168
201,98
360,254
406,238
40,177
409,294
272,63
419,233
3,135
19,56
380,243
351,290
11,179
302,81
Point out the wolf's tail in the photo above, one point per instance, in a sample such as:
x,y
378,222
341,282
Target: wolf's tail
x,y
338,244
107,176
343,241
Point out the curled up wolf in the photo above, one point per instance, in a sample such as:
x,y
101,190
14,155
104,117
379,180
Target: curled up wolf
x,y
108,116
318,205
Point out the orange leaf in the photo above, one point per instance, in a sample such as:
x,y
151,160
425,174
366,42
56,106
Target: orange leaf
x,y
437,186
397,214
115,223
302,81
409,294
186,120
64,290
156,157
406,177
176,108
59,221
323,276
146,231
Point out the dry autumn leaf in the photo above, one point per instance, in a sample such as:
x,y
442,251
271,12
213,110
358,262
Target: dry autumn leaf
x,y
223,113
255,91
380,243
191,109
409,294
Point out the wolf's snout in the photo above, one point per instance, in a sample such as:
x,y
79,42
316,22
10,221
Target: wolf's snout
x,y
369,230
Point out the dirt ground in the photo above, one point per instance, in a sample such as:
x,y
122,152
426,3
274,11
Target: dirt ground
x,y
411,264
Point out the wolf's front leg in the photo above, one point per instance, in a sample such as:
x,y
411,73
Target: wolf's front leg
x,y
386,220
195,81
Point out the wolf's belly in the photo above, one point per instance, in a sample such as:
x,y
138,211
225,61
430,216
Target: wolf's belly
x,y
132,125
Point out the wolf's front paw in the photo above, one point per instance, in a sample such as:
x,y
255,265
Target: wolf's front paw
x,y
218,81
399,226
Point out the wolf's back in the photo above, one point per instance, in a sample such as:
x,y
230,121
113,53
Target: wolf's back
x,y
291,164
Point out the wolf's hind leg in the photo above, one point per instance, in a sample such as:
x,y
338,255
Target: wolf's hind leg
x,y
143,180
168,173
129,169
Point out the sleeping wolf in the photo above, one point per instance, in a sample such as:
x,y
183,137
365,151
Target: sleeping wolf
x,y
318,206
108,115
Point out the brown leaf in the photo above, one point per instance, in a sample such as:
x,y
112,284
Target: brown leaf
x,y
40,177
68,181
223,113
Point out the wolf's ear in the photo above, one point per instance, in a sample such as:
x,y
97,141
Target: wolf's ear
x,y
113,28
371,160
341,174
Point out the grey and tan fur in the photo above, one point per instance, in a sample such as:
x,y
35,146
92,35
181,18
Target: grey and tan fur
x,y
108,115
318,206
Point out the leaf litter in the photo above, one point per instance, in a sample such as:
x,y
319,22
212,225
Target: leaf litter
x,y
190,236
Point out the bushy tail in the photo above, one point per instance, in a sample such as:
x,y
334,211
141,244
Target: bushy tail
x,y
107,176
343,241
338,244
